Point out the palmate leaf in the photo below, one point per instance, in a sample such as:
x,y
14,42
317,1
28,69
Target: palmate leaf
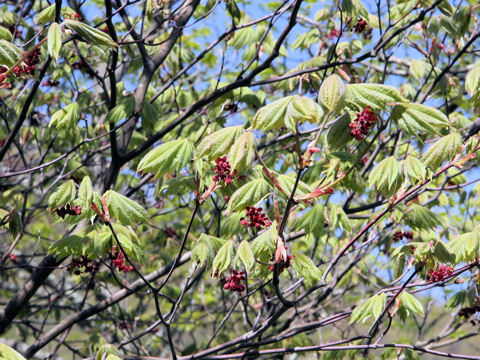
x,y
414,169
272,115
377,96
206,248
411,304
300,110
245,255
387,176
417,118
65,118
445,148
85,192
306,268
242,152
65,194
46,15
466,247
125,210
223,259
419,217
371,307
249,194
313,220
168,157
219,142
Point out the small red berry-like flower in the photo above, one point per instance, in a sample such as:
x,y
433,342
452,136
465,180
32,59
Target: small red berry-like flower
x,y
255,218
282,264
68,210
223,171
361,26
13,258
89,266
333,34
118,260
234,281
362,123
397,236
441,273
408,235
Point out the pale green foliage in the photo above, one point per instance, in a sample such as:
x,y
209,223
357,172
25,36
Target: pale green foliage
x,y
9,53
249,194
445,148
242,152
66,118
54,41
416,118
332,94
125,210
377,96
371,307
90,34
219,142
411,304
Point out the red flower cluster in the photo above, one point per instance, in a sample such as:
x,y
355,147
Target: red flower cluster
x,y
50,82
333,34
234,281
89,265
468,311
361,27
13,258
283,264
255,218
68,210
399,235
223,171
442,272
118,260
30,62
362,123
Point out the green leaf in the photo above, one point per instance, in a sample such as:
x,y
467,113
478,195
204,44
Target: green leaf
x,y
233,9
417,118
65,194
242,152
371,307
442,253
445,148
386,176
65,118
306,268
5,34
168,157
149,116
223,259
205,249
456,300
332,94
85,192
9,53
338,134
46,15
245,254
90,34
377,96
411,304
472,80
466,246
313,221
7,353
419,217
125,210
414,169
121,111
272,115
74,245
54,41
248,195
219,142
300,110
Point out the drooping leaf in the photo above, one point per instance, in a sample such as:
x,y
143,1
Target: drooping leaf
x,y
387,176
245,254
125,210
418,118
466,247
168,157
248,195
300,110
414,169
377,96
313,221
206,248
442,253
219,142
445,148
90,34
46,15
223,259
242,152
85,191
419,217
9,53
332,94
339,133
121,111
472,81
54,41
371,307
306,268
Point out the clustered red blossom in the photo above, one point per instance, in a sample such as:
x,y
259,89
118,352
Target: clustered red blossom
x,y
68,210
224,171
333,34
170,232
361,27
362,123
30,62
89,266
255,218
234,281
399,235
13,258
283,264
441,273
118,260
